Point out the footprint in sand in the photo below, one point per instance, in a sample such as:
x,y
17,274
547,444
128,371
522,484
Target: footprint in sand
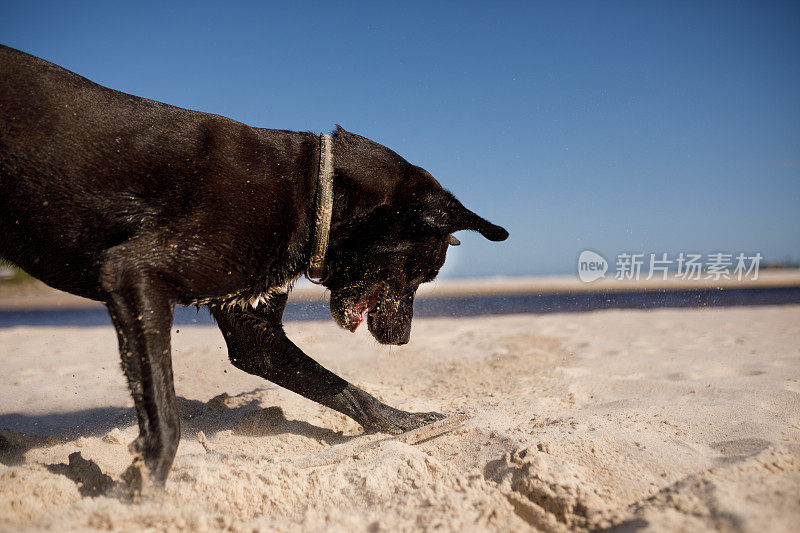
x,y
740,449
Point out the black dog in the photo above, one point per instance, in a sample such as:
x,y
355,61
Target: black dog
x,y
143,206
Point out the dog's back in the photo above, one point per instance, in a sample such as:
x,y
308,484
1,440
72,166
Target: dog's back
x,y
56,166
84,168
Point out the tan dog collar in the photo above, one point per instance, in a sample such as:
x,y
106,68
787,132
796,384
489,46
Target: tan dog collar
x,y
316,272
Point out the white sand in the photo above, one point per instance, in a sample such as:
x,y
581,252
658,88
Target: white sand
x,y
671,420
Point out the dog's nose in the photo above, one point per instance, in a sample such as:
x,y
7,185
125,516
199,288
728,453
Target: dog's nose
x,y
405,336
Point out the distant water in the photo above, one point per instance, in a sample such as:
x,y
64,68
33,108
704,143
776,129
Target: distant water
x,y
457,307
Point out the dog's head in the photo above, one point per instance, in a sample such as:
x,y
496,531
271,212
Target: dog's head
x,y
391,229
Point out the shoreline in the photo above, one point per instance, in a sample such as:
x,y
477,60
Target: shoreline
x,y
36,295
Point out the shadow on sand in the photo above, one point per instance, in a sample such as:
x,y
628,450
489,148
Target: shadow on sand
x,y
242,414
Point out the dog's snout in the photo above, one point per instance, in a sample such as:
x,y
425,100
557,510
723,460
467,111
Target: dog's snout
x,y
405,336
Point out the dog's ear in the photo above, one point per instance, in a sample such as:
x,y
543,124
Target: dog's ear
x,y
444,213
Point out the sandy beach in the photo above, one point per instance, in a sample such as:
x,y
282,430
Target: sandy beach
x,y
666,420
585,214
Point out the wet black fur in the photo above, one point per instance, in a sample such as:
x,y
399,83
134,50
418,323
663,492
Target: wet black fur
x,y
142,206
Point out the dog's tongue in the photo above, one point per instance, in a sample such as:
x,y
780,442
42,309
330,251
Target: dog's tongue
x,y
361,316
365,308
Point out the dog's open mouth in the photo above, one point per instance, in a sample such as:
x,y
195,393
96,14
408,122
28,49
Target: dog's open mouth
x,y
367,304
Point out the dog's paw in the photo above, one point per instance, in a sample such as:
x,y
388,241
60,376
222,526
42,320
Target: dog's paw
x,y
416,420
137,480
396,421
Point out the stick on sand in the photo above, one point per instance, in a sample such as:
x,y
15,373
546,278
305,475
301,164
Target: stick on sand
x,y
431,431
415,436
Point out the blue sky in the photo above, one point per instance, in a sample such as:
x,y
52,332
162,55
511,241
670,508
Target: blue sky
x,y
613,126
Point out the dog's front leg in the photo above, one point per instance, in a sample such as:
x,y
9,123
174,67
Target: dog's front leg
x,y
258,345
142,314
